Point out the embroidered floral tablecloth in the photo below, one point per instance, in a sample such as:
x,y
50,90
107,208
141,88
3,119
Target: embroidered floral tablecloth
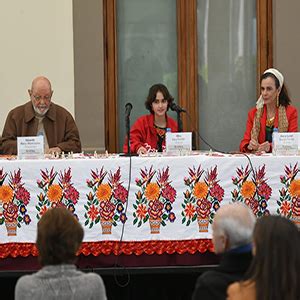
x,y
168,208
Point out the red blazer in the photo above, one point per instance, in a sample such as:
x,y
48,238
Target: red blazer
x,y
292,116
143,133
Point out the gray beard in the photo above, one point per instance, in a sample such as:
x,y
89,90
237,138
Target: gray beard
x,y
38,113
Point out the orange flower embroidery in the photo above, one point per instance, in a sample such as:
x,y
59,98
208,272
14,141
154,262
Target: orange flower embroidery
x,y
248,189
190,210
6,194
141,211
54,193
285,208
104,192
200,190
152,191
93,212
295,188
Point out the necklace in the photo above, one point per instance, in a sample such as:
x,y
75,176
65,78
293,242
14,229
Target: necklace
x,y
270,121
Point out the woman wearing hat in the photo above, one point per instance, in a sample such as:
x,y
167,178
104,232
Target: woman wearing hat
x,y
273,110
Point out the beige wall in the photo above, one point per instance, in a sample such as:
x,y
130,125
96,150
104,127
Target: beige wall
x,y
89,72
63,40
286,44
36,39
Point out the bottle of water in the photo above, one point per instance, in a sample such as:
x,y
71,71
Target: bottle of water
x,y
275,132
168,130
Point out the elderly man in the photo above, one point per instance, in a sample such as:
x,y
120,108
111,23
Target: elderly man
x,y
40,116
232,233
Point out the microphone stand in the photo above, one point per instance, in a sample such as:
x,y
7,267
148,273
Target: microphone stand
x,y
127,125
179,121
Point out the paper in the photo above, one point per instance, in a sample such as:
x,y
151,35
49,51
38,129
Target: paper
x,y
30,147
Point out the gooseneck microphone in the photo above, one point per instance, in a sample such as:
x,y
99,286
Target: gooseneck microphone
x,y
128,108
176,108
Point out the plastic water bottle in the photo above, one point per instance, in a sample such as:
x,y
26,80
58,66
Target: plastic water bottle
x,y
168,130
275,132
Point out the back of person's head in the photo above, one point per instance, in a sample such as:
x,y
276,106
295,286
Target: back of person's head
x,y
276,264
233,227
154,89
59,236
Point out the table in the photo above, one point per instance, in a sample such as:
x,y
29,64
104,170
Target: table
x,y
141,205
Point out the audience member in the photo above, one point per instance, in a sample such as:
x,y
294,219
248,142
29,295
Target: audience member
x,y
274,272
148,132
232,232
59,236
40,116
273,110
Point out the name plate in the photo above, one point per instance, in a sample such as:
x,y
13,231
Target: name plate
x,y
178,142
286,143
30,147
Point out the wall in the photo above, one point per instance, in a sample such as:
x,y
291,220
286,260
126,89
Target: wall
x,y
36,39
89,73
287,45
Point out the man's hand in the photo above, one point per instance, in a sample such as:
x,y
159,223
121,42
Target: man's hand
x,y
54,150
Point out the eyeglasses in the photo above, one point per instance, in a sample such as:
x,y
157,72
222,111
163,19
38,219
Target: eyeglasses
x,y
39,98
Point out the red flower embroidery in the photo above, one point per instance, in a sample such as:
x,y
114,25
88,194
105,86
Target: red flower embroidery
x,y
72,194
217,192
23,195
155,209
11,212
107,210
93,212
169,193
121,193
265,191
141,211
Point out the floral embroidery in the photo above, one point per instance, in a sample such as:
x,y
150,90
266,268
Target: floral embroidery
x,y
202,197
254,192
14,198
62,193
106,201
154,199
289,200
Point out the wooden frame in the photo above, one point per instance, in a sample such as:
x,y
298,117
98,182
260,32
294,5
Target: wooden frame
x,y
110,75
187,61
264,38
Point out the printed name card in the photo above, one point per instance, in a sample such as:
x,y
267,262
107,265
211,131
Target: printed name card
x,y
286,143
30,147
178,142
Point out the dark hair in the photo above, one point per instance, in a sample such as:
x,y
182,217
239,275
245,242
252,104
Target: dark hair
x,y
276,263
59,236
284,98
159,87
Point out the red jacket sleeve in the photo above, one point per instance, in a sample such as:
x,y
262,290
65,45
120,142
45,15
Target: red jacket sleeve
x,y
247,135
137,135
292,116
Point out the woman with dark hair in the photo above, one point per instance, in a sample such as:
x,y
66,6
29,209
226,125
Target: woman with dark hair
x,y
274,271
148,132
59,237
273,110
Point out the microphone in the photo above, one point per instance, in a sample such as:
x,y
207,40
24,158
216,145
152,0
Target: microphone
x,y
128,108
176,108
